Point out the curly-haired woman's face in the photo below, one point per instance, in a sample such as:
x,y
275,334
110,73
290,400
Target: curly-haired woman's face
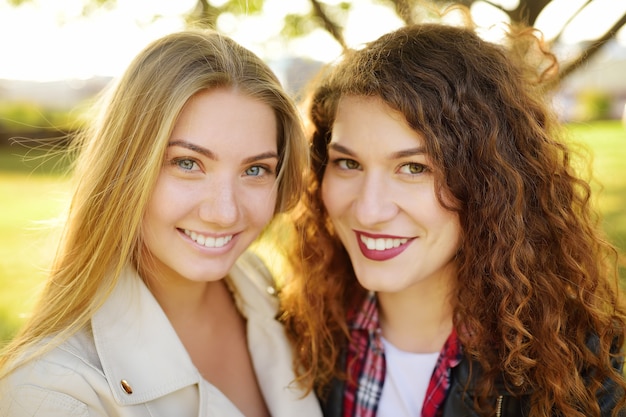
x,y
379,190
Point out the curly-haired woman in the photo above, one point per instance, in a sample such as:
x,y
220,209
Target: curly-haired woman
x,y
449,262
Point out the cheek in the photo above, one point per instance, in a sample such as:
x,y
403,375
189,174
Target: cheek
x,y
165,200
451,231
260,204
151,227
327,200
153,210
330,196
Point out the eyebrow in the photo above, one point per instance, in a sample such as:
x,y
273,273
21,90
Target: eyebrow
x,y
260,157
206,152
420,150
193,147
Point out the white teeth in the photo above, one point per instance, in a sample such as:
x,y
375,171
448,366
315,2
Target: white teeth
x,y
208,241
382,244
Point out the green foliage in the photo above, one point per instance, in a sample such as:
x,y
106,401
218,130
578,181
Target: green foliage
x,y
205,14
248,7
34,160
297,25
593,105
20,116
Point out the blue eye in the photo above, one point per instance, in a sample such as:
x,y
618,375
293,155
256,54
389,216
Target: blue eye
x,y
255,171
186,164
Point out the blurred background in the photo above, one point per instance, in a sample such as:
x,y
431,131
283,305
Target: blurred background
x,y
56,56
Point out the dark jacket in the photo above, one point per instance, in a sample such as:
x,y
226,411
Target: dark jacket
x,y
460,402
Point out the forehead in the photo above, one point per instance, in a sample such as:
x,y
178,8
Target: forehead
x,y
226,120
369,122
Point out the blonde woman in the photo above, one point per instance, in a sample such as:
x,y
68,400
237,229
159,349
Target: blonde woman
x,y
150,309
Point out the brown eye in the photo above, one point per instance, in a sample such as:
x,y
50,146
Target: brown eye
x,y
413,168
348,164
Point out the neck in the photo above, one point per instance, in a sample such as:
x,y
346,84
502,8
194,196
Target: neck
x,y
189,299
183,298
418,319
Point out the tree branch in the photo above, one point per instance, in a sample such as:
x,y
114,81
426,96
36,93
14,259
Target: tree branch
x,y
404,10
334,29
527,11
569,20
592,49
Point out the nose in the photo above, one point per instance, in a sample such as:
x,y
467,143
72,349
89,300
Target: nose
x,y
220,202
374,203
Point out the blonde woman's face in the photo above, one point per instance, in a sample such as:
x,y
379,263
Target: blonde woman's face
x,y
217,188
379,190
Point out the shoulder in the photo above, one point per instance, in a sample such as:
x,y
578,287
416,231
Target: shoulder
x,y
62,382
253,286
32,400
460,400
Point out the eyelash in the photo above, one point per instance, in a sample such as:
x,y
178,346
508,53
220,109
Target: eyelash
x,y
178,161
264,170
423,168
342,163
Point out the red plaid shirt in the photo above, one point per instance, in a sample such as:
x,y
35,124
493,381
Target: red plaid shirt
x,y
366,369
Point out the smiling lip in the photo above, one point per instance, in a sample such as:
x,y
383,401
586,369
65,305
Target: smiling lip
x,y
381,247
210,242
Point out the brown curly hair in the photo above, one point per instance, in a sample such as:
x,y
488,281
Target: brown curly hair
x,y
535,275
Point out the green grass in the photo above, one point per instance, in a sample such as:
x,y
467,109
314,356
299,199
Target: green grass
x,y
33,191
607,141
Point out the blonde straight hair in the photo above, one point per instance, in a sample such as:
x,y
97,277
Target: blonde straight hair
x,y
119,159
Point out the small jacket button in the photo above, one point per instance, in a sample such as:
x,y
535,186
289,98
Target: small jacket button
x,y
126,387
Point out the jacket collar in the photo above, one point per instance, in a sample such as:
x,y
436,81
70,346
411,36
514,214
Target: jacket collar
x,y
269,348
137,344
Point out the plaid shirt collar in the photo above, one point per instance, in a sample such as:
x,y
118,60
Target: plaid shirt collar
x,y
366,368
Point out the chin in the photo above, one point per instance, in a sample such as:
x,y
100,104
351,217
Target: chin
x,y
214,273
377,285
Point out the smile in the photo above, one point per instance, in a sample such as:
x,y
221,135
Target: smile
x,y
382,243
208,241
381,248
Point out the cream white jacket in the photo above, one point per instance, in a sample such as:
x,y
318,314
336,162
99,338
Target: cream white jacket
x,y
131,363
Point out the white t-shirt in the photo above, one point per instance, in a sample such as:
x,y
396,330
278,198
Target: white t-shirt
x,y
406,381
